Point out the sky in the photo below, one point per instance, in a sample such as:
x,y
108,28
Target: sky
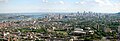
x,y
27,6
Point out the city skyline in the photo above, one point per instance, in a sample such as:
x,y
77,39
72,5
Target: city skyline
x,y
27,6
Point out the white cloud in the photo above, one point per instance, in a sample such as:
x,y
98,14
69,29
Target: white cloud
x,y
82,2
4,1
61,2
1,0
90,5
99,5
77,2
100,2
45,1
86,2
96,2
104,2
